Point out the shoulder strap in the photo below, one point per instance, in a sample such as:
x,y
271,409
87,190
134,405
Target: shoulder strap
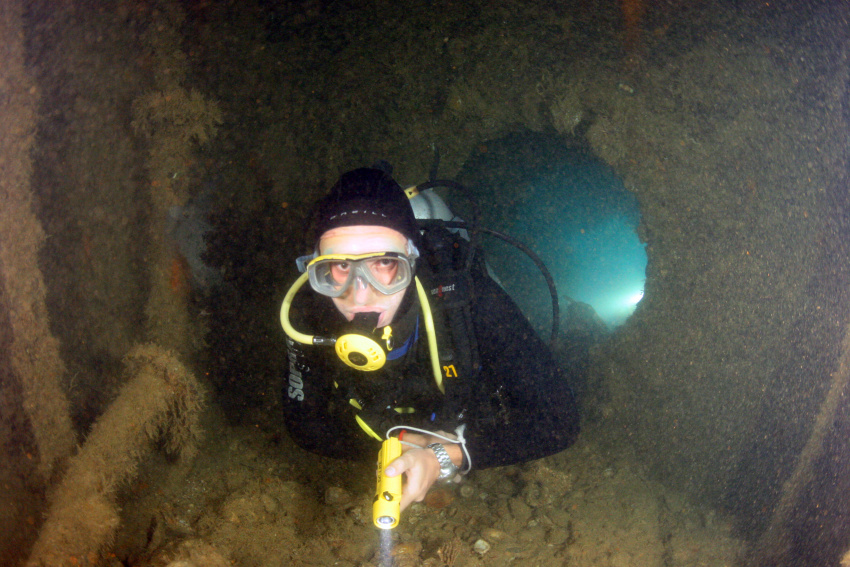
x,y
451,293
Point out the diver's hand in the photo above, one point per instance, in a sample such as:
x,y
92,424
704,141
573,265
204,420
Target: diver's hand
x,y
420,466
421,470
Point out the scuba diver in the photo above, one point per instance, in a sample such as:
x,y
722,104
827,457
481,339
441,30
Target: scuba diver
x,y
409,336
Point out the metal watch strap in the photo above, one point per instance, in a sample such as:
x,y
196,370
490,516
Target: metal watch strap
x,y
447,468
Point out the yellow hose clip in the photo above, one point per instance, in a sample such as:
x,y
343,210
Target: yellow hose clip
x,y
387,337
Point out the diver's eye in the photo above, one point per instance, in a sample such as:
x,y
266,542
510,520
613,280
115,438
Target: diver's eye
x,y
384,269
339,271
383,265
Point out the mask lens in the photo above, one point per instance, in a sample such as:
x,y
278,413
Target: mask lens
x,y
388,273
329,277
384,270
339,272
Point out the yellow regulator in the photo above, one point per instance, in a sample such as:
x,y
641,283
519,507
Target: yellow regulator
x,y
360,352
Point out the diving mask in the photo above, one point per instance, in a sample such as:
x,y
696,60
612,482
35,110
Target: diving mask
x,y
333,274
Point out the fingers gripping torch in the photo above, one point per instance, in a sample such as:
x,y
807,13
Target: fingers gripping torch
x,y
386,506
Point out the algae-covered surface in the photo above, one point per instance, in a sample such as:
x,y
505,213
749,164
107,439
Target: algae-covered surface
x,y
254,499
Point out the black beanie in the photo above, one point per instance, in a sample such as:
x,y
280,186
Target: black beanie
x,y
365,196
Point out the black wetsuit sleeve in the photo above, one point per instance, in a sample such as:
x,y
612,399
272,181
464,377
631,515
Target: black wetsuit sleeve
x,y
522,406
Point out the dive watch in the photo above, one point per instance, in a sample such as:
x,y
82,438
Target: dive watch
x,y
448,469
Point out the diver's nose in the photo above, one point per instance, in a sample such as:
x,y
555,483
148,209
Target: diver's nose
x,y
362,293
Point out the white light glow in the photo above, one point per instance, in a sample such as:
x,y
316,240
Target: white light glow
x,y
635,298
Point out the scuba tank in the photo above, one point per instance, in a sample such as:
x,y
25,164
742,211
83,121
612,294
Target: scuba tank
x,y
430,211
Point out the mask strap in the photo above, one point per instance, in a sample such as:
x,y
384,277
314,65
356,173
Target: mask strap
x,y
412,250
302,262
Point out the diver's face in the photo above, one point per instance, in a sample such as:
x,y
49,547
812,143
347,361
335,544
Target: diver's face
x,y
361,297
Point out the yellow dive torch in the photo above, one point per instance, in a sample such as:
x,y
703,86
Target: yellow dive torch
x,y
386,507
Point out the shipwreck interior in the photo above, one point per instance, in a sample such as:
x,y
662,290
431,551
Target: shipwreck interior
x,y
159,160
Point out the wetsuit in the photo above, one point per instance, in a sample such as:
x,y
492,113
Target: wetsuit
x,y
517,404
